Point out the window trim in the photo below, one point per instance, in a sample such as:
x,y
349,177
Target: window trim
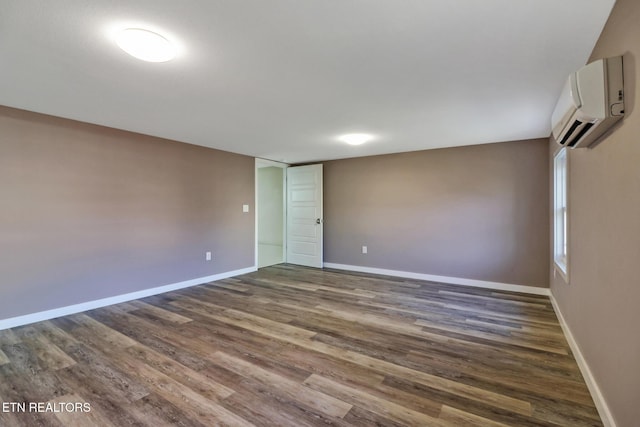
x,y
560,214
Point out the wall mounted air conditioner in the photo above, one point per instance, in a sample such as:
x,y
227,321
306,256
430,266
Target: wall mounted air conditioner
x,y
592,100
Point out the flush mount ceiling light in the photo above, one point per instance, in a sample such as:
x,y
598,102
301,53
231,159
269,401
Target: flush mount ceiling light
x,y
145,45
356,138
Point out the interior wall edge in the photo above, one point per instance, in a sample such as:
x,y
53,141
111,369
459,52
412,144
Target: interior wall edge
x,y
443,279
103,302
592,385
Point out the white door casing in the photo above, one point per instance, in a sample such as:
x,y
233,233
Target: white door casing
x,y
260,163
304,215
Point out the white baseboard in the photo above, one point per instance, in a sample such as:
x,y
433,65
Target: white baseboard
x,y
592,385
443,279
90,305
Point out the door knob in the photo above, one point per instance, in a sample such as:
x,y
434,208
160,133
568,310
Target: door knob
x,y
318,221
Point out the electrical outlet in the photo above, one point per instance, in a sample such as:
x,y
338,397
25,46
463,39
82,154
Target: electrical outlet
x,y
207,256
364,249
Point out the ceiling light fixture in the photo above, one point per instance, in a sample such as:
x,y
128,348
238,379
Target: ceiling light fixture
x,y
145,45
356,138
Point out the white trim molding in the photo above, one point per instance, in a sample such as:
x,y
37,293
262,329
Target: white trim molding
x,y
90,305
589,379
443,279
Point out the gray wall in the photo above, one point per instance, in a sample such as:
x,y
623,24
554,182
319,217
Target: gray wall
x,y
601,302
478,212
90,212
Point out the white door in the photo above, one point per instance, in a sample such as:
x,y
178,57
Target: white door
x,y
304,215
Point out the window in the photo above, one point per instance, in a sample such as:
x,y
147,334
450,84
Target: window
x,y
560,211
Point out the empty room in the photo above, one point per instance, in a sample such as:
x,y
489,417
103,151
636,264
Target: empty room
x,y
311,213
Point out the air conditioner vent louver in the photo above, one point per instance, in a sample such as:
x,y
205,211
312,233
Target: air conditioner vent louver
x,y
580,133
591,101
570,132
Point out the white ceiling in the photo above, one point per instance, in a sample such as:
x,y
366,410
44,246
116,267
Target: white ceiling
x,y
280,79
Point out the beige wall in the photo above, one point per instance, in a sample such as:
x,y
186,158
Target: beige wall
x,y
601,303
476,212
90,212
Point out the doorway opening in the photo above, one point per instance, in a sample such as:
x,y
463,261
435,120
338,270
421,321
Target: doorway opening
x,y
270,213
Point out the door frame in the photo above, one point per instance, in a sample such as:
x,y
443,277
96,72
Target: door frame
x,y
263,163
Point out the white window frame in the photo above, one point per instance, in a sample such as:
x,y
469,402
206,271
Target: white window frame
x,y
560,214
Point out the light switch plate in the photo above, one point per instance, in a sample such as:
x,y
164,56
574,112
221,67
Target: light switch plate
x,y
245,208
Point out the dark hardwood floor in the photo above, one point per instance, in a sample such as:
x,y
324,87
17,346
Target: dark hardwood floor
x,y
301,347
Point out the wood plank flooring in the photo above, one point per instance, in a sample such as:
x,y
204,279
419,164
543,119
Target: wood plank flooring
x,y
294,346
